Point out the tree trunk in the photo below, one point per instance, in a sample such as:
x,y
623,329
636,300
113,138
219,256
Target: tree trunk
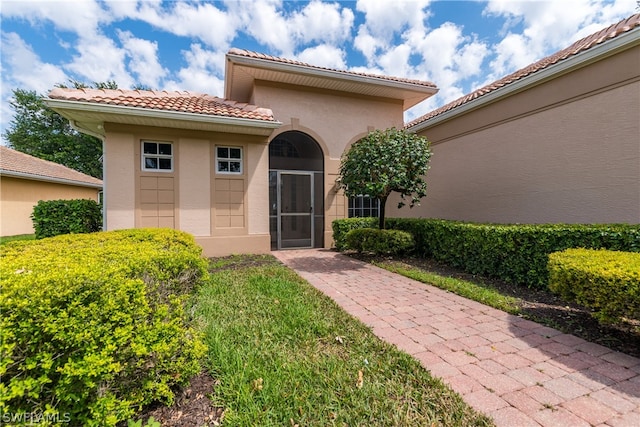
x,y
383,202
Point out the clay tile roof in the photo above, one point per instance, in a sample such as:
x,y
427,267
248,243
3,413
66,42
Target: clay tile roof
x,y
576,48
256,55
16,162
184,101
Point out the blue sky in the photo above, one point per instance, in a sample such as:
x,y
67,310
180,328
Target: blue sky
x,y
180,45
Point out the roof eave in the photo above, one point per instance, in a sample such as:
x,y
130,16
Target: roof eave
x,y
70,109
622,42
34,177
235,59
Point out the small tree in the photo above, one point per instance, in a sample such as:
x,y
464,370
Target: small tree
x,y
385,161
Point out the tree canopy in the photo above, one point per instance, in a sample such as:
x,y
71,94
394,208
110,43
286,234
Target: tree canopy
x,y
385,161
41,132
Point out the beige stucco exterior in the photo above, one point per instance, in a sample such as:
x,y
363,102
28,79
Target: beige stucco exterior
x,y
230,213
334,120
566,150
226,213
559,145
18,196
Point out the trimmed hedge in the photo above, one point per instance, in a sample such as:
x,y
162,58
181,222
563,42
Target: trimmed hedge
x,y
96,325
342,226
606,281
380,242
54,217
514,253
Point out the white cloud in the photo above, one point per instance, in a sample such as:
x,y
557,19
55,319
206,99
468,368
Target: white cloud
x,y
23,69
547,28
322,22
384,18
317,22
99,60
324,56
143,60
202,72
395,61
202,21
77,16
266,23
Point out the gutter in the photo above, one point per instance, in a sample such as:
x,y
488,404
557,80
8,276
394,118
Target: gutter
x,y
15,174
599,52
158,114
75,126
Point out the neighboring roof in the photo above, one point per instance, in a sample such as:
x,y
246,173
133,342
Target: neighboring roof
x,y
244,67
505,83
20,165
89,109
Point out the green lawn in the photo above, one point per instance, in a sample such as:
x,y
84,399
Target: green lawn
x,y
485,295
284,354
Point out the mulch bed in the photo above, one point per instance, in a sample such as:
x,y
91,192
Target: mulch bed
x,y
192,406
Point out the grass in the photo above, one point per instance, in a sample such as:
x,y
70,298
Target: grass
x,y
284,355
484,294
7,239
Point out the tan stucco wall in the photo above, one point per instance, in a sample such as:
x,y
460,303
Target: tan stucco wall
x,y
566,151
226,213
335,120
19,196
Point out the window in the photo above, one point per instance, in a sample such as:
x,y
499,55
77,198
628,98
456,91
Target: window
x,y
229,160
364,206
157,156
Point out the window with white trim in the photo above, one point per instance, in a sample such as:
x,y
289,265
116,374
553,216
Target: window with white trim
x,y
364,206
229,160
157,156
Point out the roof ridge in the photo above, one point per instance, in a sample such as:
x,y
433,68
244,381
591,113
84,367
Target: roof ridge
x,y
575,48
258,55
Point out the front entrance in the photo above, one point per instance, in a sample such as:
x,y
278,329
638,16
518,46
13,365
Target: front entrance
x,y
296,192
294,209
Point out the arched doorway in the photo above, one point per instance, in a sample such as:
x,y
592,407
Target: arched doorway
x,y
296,191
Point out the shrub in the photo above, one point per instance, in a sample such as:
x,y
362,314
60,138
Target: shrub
x,y
379,242
511,252
96,325
55,217
606,281
342,226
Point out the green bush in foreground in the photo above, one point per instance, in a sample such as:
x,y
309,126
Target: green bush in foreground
x,y
94,326
606,281
380,242
55,217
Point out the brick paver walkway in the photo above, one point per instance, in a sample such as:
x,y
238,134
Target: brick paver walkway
x,y
516,371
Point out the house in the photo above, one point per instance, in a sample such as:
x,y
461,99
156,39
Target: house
x,y
25,180
253,172
557,141
554,142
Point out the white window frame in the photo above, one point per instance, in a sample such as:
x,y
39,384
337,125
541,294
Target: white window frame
x,y
362,208
157,156
229,159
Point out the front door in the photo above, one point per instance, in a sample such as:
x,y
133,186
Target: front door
x,y
294,200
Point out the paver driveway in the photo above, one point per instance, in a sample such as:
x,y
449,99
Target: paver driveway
x,y
518,372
